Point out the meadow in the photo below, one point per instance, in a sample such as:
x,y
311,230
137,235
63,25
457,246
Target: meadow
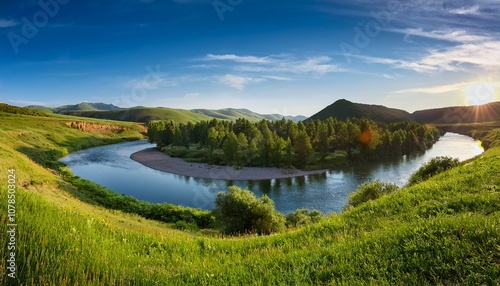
x,y
443,231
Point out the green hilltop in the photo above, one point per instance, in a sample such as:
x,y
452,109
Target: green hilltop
x,y
343,109
444,231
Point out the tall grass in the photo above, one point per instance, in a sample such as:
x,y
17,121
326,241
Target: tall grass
x,y
409,237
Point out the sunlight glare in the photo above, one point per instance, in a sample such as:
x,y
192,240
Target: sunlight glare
x,y
479,93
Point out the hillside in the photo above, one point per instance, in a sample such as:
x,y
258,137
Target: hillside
x,y
343,109
459,114
84,106
233,114
406,238
145,114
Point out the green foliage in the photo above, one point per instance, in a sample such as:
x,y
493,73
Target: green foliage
x,y
175,151
19,110
433,167
188,226
239,211
368,191
488,138
302,217
285,143
303,150
343,109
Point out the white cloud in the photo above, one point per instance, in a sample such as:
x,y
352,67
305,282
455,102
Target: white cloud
x,y
236,81
279,64
191,95
280,78
481,55
436,89
474,10
460,36
7,23
239,59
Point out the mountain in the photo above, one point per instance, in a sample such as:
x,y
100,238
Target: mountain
x,y
343,109
460,114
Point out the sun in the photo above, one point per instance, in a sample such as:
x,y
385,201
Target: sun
x,y
478,93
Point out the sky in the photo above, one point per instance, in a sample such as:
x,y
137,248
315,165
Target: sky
x,y
291,57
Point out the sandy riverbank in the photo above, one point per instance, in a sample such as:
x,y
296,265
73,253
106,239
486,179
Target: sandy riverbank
x,y
160,161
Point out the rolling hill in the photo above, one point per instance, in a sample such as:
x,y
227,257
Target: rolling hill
x,y
343,109
145,114
460,114
84,106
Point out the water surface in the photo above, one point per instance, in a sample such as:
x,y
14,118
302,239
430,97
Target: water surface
x,y
112,167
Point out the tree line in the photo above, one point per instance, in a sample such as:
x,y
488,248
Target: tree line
x,y
285,143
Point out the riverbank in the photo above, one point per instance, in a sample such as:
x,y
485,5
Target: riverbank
x,y
160,161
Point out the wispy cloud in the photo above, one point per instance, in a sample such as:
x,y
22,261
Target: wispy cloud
x,y
436,89
281,64
466,10
4,23
460,36
471,51
239,59
191,95
236,81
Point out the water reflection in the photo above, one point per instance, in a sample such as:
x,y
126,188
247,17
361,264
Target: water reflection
x,y
111,166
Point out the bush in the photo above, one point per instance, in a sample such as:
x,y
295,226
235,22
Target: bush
x,y
175,151
433,167
370,191
239,211
302,217
189,226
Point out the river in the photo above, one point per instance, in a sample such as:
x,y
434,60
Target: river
x,y
112,167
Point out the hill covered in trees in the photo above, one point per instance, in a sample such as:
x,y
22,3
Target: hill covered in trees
x,y
343,109
284,143
459,114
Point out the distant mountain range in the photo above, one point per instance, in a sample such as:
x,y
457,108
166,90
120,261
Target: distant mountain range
x,y
145,114
341,109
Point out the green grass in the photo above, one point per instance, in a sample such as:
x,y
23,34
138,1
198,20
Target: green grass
x,y
145,115
406,238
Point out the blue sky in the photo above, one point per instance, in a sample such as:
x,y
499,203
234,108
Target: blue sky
x,y
290,57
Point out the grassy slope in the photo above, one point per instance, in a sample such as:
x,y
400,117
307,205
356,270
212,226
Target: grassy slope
x,y
406,238
145,114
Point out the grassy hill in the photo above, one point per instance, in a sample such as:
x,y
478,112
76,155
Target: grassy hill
x,y
233,114
406,238
343,109
145,114
460,114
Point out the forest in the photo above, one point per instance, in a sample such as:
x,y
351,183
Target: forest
x,y
313,144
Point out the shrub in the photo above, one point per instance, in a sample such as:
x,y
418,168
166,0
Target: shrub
x,y
303,217
239,211
370,191
433,167
189,226
175,151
